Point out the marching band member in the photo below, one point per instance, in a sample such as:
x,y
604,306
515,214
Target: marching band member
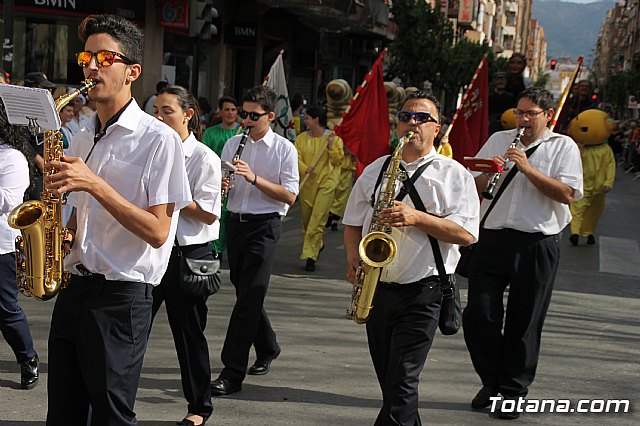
x,y
197,227
518,247
265,186
320,154
128,178
407,304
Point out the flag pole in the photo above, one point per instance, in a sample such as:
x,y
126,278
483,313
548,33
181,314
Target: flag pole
x,y
332,134
565,95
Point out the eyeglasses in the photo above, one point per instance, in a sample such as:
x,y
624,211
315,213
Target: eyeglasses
x,y
528,114
104,58
420,117
254,116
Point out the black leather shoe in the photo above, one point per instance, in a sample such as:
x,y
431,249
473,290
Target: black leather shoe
x,y
591,239
222,386
481,400
508,415
261,367
29,373
574,239
310,266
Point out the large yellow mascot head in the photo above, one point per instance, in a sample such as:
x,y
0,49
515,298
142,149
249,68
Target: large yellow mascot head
x,y
508,119
591,127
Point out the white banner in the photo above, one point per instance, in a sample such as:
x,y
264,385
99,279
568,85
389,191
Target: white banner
x,y
276,81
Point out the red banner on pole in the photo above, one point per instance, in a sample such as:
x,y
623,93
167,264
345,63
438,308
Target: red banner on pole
x,y
365,125
470,125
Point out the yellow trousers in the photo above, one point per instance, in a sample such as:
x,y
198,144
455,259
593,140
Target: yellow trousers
x,y
314,206
343,190
586,212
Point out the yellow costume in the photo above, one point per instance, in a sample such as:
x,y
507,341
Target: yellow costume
x,y
591,128
345,183
316,195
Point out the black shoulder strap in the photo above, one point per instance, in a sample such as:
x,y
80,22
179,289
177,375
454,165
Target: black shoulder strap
x,y
506,181
384,168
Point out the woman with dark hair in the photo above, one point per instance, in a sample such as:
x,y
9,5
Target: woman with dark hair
x,y
320,155
197,228
14,181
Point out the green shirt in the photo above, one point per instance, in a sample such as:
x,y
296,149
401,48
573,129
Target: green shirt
x,y
215,137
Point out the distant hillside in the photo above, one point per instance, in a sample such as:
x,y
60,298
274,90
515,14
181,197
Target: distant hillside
x,y
571,29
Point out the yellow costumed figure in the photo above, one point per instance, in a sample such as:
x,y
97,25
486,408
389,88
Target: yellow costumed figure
x,y
590,129
343,190
320,154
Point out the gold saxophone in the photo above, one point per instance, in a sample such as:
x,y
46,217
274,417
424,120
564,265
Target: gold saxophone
x,y
377,248
39,250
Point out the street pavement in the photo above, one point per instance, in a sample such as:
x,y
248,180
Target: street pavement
x,y
324,376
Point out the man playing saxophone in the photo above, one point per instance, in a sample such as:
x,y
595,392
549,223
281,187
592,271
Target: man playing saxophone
x,y
406,307
127,176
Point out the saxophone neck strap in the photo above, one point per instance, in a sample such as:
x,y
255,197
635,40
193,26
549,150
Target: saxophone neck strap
x,y
411,180
504,185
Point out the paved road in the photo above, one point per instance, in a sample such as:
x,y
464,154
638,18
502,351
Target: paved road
x,y
324,376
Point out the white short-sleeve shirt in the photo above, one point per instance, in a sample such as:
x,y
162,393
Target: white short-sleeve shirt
x,y
142,159
205,177
272,158
14,181
447,190
522,206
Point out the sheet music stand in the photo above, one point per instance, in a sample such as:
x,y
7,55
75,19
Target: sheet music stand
x,y
30,106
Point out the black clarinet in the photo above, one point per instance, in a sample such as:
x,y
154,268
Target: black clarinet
x,y
230,171
488,193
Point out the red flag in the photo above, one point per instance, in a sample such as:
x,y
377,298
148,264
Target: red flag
x,y
365,125
470,125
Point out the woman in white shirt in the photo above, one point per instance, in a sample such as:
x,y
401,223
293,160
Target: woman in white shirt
x,y
14,181
197,227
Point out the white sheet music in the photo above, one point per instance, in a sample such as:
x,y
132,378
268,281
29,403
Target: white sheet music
x,y
30,104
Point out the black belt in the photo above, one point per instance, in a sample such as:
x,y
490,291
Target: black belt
x,y
248,217
432,279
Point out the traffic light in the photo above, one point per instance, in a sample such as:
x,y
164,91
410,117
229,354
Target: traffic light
x,y
552,64
201,15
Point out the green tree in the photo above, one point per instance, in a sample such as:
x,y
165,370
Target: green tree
x,y
423,37
543,78
425,49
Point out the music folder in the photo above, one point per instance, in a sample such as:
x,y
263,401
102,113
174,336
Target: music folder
x,y
486,165
30,106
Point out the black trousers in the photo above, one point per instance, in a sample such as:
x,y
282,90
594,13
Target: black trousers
x,y
251,246
187,317
527,263
13,321
400,331
97,341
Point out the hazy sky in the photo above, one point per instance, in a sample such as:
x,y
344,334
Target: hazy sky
x,y
586,1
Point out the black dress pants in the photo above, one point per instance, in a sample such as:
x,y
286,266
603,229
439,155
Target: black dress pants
x,y
97,342
527,263
13,321
251,246
400,332
187,317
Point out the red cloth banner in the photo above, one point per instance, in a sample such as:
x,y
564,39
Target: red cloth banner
x,y
470,125
365,125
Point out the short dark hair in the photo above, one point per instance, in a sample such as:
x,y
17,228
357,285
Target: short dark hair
x,y
539,96
423,94
224,99
316,111
126,33
296,101
186,100
16,137
161,85
261,95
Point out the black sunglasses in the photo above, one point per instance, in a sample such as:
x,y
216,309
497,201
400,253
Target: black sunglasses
x,y
254,116
421,117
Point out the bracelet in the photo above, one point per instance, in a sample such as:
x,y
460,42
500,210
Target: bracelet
x,y
255,179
